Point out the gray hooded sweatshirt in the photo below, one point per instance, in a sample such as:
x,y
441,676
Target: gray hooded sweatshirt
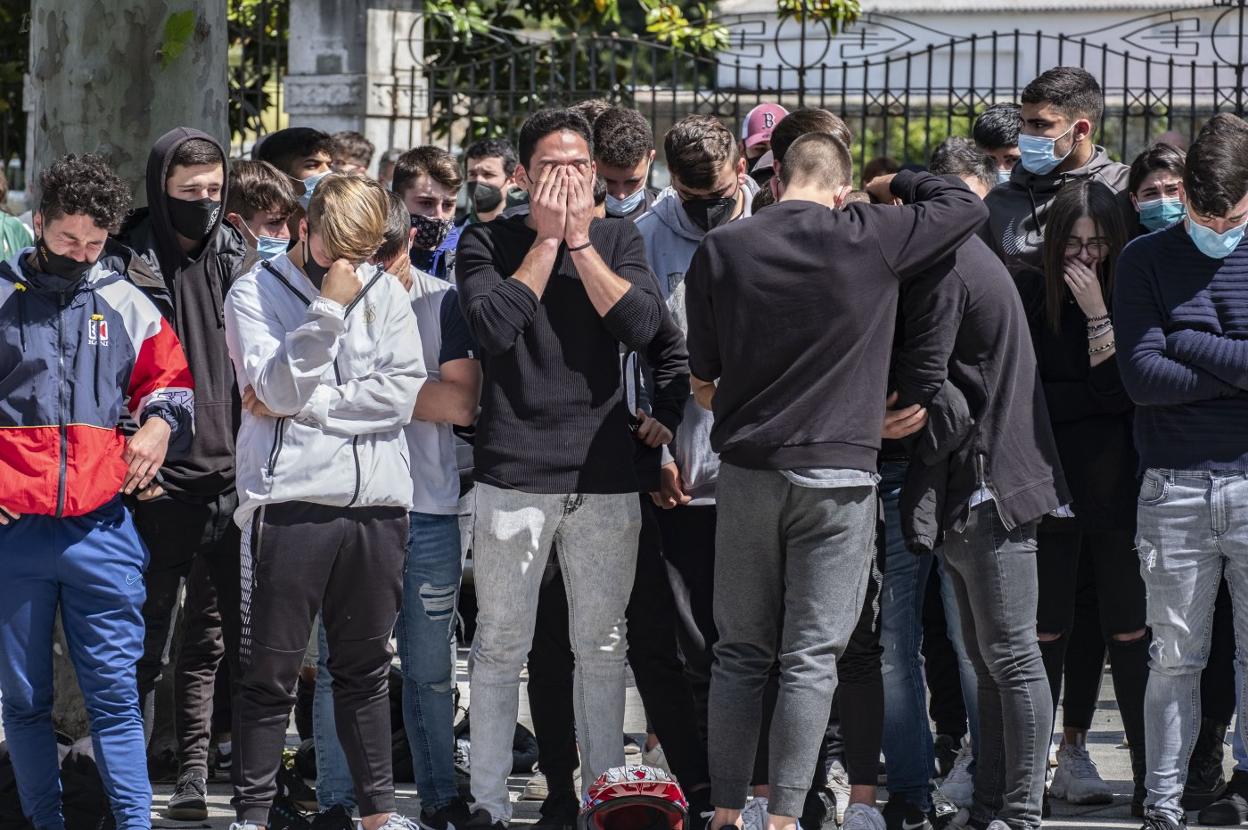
x,y
671,239
1018,209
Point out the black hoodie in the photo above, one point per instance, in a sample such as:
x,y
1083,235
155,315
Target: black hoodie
x,y
190,293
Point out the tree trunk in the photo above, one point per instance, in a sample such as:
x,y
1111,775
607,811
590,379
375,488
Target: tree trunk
x,y
112,76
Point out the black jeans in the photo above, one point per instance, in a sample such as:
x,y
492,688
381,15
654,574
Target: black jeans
x,y
652,655
994,578
177,533
1091,590
347,563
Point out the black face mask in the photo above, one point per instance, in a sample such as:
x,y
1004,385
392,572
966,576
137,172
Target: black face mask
x,y
59,272
711,212
315,271
484,197
193,218
429,232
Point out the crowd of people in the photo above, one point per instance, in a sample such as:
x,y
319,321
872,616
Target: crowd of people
x,y
841,466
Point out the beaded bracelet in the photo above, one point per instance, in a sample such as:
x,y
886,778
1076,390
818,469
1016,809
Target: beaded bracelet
x,y
1098,318
1100,330
1100,349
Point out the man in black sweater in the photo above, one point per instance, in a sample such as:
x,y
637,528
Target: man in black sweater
x,y
550,296
798,426
984,470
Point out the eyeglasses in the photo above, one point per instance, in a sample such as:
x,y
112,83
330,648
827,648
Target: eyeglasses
x,y
1095,247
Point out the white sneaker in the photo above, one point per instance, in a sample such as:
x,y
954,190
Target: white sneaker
x,y
395,822
1076,780
754,816
656,758
997,824
959,784
243,825
838,783
862,817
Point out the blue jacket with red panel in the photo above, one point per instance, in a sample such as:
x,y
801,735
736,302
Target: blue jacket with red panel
x,y
72,362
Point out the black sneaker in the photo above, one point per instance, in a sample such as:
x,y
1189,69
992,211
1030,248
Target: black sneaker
x,y
454,816
1232,807
189,801
335,818
947,748
481,820
1156,821
559,812
819,812
900,814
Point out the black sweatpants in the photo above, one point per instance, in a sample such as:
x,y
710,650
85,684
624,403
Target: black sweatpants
x,y
652,655
177,533
202,679
299,559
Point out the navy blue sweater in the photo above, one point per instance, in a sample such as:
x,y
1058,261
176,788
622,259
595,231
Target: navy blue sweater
x,y
1181,324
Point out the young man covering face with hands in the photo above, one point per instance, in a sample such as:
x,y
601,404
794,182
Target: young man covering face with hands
x,y
549,297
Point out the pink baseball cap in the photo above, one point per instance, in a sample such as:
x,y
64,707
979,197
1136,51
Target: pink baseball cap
x,y
759,123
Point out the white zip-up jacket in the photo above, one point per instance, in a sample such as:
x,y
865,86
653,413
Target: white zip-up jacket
x,y
343,380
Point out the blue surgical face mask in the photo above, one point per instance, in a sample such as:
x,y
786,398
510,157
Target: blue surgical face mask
x,y
1039,152
1157,214
1213,244
309,185
1003,176
623,207
270,246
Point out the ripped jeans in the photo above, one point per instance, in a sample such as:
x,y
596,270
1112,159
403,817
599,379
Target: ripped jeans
x,y
1192,527
426,631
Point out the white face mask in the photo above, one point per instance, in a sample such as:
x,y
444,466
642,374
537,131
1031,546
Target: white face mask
x,y
623,207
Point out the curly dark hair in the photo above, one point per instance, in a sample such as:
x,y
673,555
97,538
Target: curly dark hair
x,y
78,184
622,137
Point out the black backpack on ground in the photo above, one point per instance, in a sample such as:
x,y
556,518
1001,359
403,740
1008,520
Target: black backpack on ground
x,y
83,799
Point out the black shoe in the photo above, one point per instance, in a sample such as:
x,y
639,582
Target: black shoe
x,y
1156,821
900,814
454,816
481,820
335,818
223,762
189,801
819,812
284,816
1205,781
947,748
1232,807
559,811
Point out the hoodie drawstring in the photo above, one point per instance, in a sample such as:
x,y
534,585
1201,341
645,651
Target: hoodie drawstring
x,y
1035,214
99,319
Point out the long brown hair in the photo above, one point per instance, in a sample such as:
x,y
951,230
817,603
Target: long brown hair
x,y
1073,202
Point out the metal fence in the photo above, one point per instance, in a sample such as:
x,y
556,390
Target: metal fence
x,y
258,32
901,103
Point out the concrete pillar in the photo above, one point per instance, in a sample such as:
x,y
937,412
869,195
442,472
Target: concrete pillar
x,y
351,66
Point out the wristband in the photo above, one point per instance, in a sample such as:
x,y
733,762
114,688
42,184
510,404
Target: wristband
x,y
1098,318
580,247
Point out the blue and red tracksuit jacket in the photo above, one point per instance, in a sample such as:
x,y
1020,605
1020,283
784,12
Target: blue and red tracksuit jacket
x,y
70,365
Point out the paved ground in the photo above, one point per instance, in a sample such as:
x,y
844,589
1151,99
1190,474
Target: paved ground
x,y
1106,744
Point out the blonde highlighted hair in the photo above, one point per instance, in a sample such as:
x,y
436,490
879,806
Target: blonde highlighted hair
x,y
349,214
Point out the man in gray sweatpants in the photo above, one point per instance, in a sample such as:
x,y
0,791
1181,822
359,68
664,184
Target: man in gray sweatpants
x,y
797,427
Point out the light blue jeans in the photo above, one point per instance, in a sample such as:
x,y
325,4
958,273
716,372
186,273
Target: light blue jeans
x,y
1192,528
596,537
909,757
426,632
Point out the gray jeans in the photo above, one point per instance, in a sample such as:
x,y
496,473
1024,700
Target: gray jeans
x,y
596,538
1192,526
791,569
994,578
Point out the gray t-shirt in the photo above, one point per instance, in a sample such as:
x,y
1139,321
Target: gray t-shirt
x,y
445,337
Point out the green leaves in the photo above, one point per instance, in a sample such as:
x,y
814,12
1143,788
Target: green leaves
x,y
667,22
837,14
179,27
